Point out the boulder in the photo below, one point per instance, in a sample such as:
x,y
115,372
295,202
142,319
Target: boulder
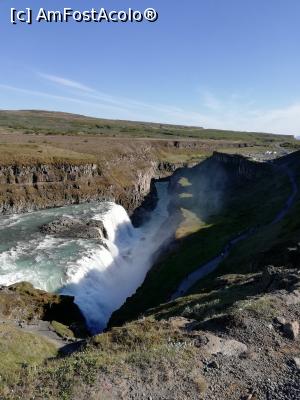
x,y
291,329
292,298
296,361
280,320
228,347
75,228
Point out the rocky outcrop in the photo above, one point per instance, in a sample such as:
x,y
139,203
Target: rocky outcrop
x,y
21,302
213,344
291,329
75,228
27,188
37,174
242,166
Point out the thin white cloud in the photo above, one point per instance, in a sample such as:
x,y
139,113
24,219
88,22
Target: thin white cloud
x,y
66,82
86,91
141,110
63,98
137,109
285,119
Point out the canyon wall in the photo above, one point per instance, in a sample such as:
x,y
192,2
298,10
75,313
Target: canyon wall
x,y
126,181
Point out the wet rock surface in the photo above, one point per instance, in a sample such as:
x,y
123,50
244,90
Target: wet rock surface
x,y
75,228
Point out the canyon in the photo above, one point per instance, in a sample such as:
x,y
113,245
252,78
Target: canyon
x,y
85,212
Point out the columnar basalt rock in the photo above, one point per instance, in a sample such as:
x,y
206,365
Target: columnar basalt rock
x,y
244,167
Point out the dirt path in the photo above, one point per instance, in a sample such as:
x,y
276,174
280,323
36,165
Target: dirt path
x,y
43,328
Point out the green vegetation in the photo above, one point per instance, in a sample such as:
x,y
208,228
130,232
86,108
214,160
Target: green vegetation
x,y
248,255
17,351
22,302
151,350
184,182
241,280
54,123
62,330
28,137
121,352
190,224
41,153
226,294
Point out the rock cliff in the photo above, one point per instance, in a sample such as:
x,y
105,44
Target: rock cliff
x,y
128,182
243,167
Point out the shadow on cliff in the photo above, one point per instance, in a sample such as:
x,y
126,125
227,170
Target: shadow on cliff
x,y
207,188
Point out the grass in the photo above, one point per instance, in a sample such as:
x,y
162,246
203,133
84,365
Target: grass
x,y
248,255
27,154
19,349
184,182
190,224
239,281
55,123
262,307
122,352
30,366
216,299
62,330
28,137
23,302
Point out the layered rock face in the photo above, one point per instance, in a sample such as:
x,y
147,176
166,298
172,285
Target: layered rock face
x,y
242,166
36,174
27,188
128,182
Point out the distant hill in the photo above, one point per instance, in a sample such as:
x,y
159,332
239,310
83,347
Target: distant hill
x,y
59,123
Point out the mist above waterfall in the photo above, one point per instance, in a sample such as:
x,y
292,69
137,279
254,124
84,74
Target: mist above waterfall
x,y
201,189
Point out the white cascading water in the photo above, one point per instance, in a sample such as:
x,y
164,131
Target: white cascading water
x,y
100,277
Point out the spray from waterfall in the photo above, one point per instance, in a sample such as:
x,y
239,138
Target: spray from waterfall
x,y
103,279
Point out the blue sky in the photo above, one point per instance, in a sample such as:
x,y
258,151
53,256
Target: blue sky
x,y
232,64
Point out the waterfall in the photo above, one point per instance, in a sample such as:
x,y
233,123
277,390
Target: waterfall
x,y
104,277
